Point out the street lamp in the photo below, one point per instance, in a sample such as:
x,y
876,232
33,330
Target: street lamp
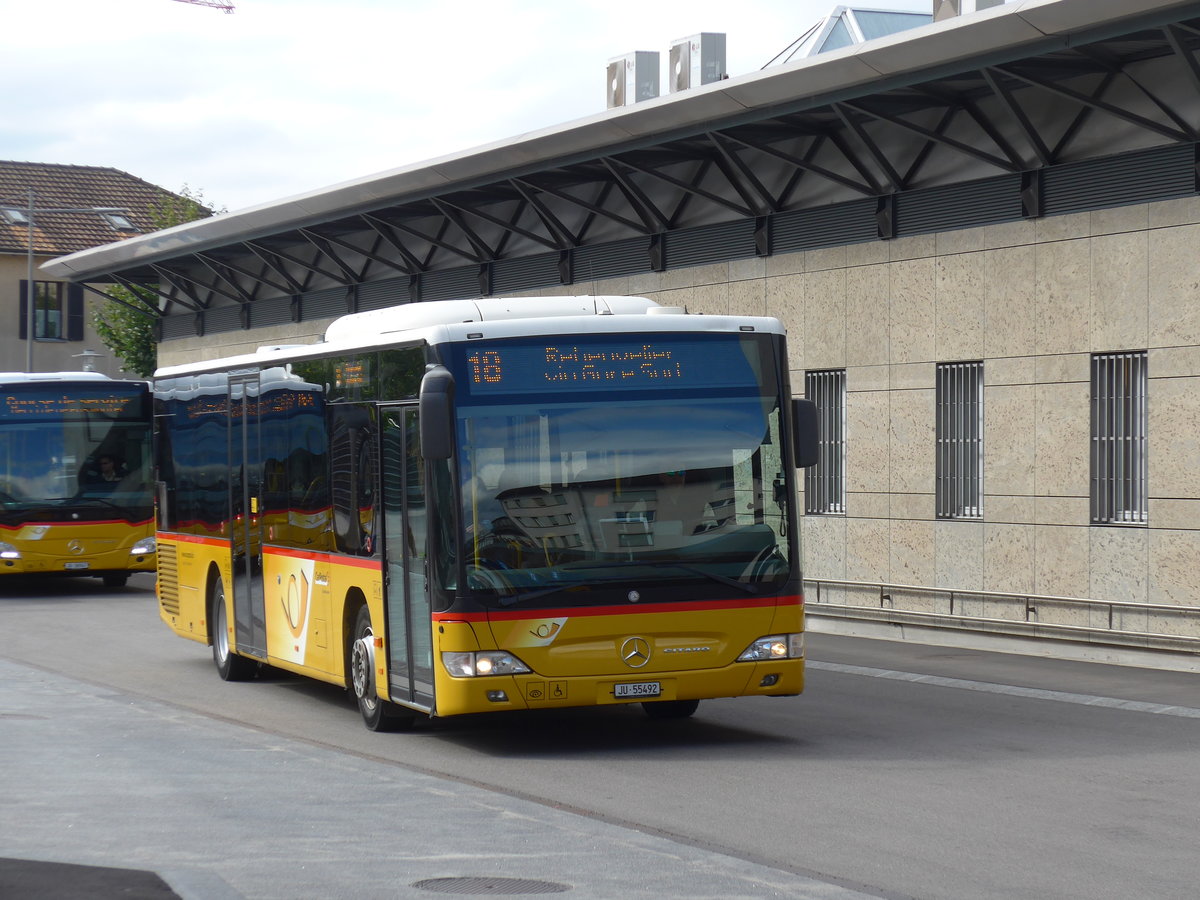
x,y
29,211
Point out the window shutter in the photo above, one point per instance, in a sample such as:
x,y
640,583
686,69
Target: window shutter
x,y
21,310
74,312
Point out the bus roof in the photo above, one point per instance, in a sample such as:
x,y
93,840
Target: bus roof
x,y
34,377
410,316
451,321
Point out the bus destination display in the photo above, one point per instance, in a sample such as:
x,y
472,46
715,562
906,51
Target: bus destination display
x,y
45,404
608,364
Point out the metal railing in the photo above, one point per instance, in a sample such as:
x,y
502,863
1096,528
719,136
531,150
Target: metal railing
x,y
1025,614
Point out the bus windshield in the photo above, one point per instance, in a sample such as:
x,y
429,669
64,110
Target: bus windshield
x,y
618,460
77,453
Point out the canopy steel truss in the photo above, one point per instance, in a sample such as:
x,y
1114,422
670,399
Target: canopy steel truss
x,y
1092,97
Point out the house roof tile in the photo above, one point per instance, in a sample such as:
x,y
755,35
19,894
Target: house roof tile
x,y
74,187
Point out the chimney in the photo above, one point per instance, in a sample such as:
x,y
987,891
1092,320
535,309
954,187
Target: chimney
x,y
632,78
696,60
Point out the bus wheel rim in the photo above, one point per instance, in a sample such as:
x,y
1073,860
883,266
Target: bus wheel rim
x,y
361,667
222,632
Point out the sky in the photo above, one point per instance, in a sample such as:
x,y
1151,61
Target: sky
x,y
283,97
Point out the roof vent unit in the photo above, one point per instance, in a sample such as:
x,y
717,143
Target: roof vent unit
x,y
632,78
948,9
697,60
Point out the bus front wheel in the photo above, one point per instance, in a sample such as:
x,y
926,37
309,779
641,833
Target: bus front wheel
x,y
670,709
378,714
230,666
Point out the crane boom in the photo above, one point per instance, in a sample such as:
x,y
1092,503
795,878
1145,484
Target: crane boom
x,y
227,7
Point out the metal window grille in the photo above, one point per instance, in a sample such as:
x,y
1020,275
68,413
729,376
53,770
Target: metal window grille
x,y
960,440
1119,419
825,483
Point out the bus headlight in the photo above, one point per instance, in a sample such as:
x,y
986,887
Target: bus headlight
x,y
8,551
775,646
144,547
470,664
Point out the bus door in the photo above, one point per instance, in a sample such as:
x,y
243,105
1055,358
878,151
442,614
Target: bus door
x,y
245,480
409,627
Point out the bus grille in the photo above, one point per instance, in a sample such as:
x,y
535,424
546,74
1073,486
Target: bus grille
x,y
168,578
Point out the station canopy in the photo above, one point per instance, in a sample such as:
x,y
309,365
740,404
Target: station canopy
x,y
875,140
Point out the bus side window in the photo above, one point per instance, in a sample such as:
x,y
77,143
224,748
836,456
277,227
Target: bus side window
x,y
167,515
354,476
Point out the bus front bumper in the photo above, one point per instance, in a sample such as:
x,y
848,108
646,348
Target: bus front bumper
x,y
63,561
774,678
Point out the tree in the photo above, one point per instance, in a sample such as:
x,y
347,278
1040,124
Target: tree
x,y
127,330
126,322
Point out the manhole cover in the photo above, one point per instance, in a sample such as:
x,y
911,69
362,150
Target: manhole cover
x,y
478,885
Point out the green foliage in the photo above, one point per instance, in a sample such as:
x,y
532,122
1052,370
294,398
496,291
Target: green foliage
x,y
128,331
186,206
126,323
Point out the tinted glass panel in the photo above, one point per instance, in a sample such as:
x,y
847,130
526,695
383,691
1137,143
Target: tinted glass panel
x,y
659,465
78,451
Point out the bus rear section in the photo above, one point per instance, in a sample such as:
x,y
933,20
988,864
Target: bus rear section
x,y
529,512
75,476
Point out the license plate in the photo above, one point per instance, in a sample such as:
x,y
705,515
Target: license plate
x,y
73,566
637,689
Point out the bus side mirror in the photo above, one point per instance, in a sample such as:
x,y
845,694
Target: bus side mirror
x,y
437,413
805,439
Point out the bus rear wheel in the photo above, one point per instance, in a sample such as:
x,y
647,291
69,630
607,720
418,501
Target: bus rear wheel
x,y
378,714
670,709
114,581
230,666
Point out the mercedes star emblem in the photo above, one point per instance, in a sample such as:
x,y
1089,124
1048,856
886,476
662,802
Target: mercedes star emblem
x,y
635,652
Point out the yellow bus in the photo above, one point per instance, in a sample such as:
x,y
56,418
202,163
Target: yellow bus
x,y
75,476
469,506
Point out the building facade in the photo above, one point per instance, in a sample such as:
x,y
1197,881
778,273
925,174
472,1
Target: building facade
x,y
72,208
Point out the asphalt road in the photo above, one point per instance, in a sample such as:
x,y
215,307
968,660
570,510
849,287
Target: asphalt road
x,y
989,776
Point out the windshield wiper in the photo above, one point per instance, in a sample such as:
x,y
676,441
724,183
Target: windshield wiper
x,y
518,597
715,576
664,563
125,509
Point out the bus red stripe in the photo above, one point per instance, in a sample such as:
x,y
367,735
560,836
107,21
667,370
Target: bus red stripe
x,y
76,524
623,610
355,561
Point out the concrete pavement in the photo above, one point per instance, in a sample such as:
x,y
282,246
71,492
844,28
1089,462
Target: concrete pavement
x,y
167,803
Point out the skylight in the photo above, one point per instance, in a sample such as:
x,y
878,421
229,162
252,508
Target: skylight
x,y
119,221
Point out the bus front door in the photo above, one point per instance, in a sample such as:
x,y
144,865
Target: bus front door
x,y
245,479
409,629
